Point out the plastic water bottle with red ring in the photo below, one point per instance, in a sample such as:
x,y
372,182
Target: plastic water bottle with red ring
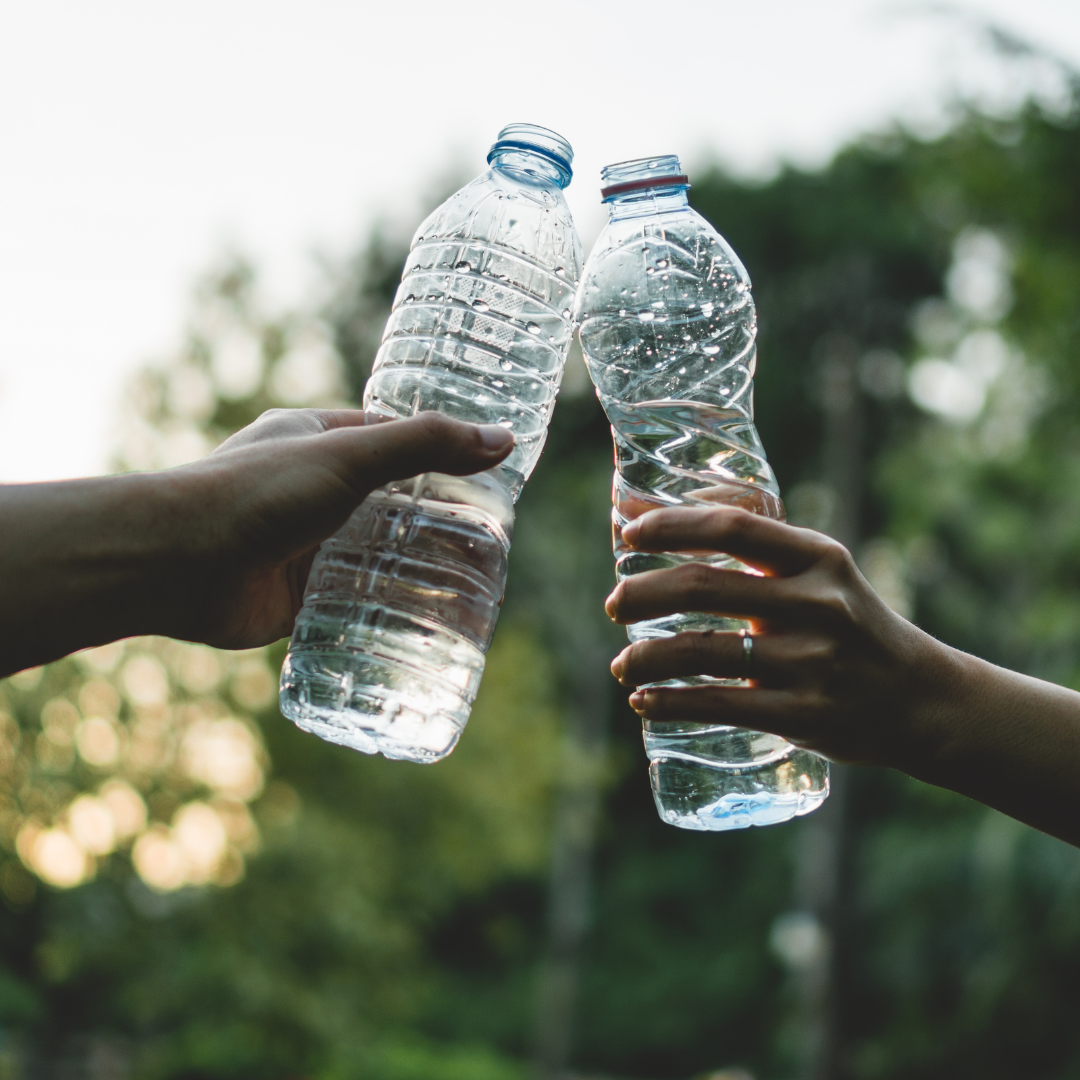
x,y
668,329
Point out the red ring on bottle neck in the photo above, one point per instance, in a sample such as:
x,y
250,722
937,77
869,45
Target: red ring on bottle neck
x,y
682,180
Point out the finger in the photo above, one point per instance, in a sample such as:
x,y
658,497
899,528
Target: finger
x,y
697,586
787,713
338,418
771,546
374,454
774,658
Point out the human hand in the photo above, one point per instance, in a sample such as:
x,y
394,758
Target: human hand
x,y
259,507
834,669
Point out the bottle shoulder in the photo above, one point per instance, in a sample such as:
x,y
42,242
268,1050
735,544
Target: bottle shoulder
x,y
669,264
680,237
499,208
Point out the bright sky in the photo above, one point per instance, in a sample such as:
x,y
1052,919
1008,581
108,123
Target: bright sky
x,y
137,140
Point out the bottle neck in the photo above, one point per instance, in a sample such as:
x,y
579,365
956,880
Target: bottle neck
x,y
654,185
528,165
659,200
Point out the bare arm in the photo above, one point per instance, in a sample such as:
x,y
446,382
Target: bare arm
x,y
836,671
217,551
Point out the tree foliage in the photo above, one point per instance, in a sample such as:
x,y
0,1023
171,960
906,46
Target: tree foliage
x,y
365,918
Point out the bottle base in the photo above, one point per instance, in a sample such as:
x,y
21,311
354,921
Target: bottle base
x,y
705,797
376,705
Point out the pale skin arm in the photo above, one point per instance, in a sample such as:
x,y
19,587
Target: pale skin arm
x,y
838,672
217,551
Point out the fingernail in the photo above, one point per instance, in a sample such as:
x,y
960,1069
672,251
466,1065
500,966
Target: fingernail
x,y
630,531
609,606
637,700
616,666
495,437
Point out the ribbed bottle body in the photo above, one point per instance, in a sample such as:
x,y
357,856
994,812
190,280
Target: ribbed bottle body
x,y
668,330
401,604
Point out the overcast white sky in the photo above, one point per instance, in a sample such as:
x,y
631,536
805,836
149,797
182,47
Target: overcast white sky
x,y
138,140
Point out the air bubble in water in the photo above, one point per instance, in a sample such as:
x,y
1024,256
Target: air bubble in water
x,y
646,316
480,305
506,365
710,350
463,267
533,328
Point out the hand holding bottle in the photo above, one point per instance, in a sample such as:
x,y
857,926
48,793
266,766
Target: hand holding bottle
x,y
217,551
835,670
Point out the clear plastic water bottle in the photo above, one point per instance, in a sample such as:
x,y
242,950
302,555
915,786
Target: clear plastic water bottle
x,y
401,603
668,329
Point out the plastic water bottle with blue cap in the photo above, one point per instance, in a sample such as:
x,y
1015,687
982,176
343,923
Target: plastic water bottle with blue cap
x,y
668,330
388,649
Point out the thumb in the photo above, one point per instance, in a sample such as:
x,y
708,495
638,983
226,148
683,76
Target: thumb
x,y
374,454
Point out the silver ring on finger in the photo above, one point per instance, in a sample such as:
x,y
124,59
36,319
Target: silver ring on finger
x,y
747,652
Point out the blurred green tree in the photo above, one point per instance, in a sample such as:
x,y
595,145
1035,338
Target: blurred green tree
x,y
364,918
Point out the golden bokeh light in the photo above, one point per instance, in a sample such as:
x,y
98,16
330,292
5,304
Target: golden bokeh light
x,y
144,750
92,825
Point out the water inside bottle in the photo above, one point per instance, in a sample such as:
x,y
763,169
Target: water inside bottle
x,y
388,650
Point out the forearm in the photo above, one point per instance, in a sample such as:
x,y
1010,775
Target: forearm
x,y
84,562
1009,741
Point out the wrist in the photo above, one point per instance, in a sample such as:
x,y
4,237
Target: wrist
x,y
940,718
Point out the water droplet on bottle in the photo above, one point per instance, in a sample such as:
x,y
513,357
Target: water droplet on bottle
x,y
649,270
566,313
646,316
622,313
662,264
506,365
710,350
480,305
560,271
498,383
533,328
463,267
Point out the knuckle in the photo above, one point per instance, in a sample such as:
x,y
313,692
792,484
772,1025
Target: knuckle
x,y
698,650
837,560
834,603
632,659
618,598
820,651
733,522
435,425
697,580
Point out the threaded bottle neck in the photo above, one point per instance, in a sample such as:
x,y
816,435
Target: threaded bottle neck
x,y
645,185
536,152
